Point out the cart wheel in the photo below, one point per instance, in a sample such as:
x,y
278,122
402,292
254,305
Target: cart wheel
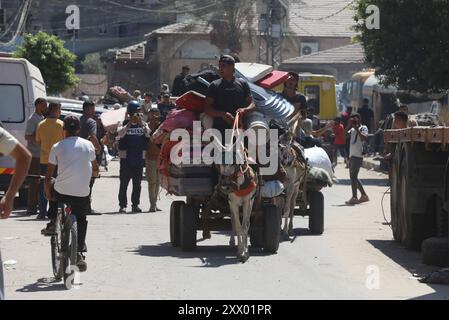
x,y
395,196
188,227
316,218
256,233
272,228
174,223
435,252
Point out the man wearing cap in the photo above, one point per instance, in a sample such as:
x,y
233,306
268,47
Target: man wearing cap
x,y
76,161
227,96
178,88
291,94
133,136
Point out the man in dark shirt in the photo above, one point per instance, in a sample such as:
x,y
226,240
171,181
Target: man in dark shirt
x,y
89,132
178,84
165,106
316,122
367,115
228,96
290,93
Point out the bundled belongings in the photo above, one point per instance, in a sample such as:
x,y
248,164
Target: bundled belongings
x,y
110,119
318,158
425,119
192,101
273,80
318,179
179,119
119,93
184,179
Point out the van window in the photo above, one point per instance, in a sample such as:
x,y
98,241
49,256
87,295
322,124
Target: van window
x,y
313,97
12,104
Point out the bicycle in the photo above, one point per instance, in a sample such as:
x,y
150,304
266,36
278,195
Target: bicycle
x,y
64,244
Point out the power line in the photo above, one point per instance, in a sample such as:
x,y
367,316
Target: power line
x,y
326,17
22,22
160,11
13,22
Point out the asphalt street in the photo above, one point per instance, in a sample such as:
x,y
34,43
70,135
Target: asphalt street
x,y
130,257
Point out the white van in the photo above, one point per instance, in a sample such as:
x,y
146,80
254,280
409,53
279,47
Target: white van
x,y
21,83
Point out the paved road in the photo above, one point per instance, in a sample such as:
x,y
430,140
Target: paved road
x,y
130,256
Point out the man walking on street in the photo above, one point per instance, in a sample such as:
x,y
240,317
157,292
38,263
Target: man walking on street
x,y
9,146
178,88
89,132
359,134
49,132
133,136
152,157
30,135
339,144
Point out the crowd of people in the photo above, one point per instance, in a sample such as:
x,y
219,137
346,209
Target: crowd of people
x,y
67,152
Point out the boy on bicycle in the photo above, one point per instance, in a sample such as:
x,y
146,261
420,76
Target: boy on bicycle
x,y
76,161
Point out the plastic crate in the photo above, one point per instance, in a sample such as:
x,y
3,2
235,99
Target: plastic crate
x,y
187,186
190,171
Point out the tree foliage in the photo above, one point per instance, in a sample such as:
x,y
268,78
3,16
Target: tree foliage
x,y
230,21
55,62
92,64
411,48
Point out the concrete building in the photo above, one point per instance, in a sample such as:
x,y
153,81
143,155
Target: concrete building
x,y
341,62
103,24
313,26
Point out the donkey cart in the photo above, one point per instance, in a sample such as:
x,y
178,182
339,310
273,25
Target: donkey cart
x,y
207,210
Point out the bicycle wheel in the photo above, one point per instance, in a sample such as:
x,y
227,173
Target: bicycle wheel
x,y
70,250
57,255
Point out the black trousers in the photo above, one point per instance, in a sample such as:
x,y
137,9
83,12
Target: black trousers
x,y
127,173
79,206
354,167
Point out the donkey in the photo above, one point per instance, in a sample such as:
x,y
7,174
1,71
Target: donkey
x,y
292,159
239,183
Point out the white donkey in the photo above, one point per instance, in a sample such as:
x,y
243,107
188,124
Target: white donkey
x,y
239,182
294,164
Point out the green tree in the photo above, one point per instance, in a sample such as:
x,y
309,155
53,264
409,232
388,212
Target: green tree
x,y
92,64
411,48
55,62
230,21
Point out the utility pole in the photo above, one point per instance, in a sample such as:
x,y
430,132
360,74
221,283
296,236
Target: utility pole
x,y
273,16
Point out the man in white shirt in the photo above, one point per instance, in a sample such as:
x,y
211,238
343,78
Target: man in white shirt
x,y
9,146
359,134
76,161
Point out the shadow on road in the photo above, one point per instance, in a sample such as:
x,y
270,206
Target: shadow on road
x,y
210,256
365,182
304,232
43,285
411,261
